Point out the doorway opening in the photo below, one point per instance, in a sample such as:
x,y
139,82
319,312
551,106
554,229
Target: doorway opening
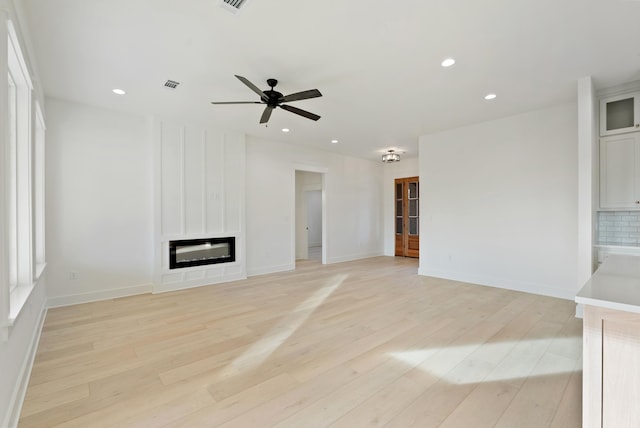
x,y
310,216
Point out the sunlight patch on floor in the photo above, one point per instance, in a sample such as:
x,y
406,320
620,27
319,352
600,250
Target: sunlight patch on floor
x,y
493,362
278,334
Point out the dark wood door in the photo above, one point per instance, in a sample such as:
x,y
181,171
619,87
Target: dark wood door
x,y
407,201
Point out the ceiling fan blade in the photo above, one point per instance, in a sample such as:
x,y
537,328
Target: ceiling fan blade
x,y
253,87
300,112
236,102
266,114
312,93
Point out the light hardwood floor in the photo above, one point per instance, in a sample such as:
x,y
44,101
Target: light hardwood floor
x,y
365,343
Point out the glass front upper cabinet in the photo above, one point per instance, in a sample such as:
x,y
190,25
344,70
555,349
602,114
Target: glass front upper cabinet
x,y
620,114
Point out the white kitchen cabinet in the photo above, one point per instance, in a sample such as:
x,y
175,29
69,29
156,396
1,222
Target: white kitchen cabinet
x,y
611,370
620,171
620,114
611,344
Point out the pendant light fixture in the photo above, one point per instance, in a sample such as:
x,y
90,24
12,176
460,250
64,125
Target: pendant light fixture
x,y
391,156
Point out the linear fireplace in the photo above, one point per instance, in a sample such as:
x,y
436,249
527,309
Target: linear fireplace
x,y
198,252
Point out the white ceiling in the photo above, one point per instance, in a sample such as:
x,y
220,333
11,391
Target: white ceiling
x,y
377,63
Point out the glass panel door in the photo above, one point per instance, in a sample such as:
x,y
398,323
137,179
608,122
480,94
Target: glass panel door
x,y
399,208
407,216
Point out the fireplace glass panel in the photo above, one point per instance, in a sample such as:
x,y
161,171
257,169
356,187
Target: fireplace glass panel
x,y
196,252
187,253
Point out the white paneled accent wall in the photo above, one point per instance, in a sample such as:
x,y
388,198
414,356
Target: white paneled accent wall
x,y
199,194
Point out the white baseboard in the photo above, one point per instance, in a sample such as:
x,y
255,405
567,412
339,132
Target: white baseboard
x,y
270,269
20,390
183,285
526,287
353,257
284,268
75,299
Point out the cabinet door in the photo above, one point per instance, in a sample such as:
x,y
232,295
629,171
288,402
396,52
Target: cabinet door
x,y
619,172
620,114
611,369
621,371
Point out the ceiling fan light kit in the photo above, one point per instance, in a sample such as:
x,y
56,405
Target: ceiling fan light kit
x,y
273,99
391,156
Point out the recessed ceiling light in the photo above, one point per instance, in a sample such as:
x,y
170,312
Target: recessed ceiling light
x,y
448,62
334,141
285,129
490,97
119,92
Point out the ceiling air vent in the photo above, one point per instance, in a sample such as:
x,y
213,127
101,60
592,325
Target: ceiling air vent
x,y
171,84
232,5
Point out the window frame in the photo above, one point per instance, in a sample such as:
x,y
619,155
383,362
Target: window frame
x,y
38,204
18,217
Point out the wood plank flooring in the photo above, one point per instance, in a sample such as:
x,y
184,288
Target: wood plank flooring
x,y
359,344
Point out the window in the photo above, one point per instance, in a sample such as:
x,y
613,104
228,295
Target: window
x,y
38,193
12,218
24,183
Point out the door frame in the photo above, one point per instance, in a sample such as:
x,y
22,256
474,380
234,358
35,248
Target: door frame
x,y
406,238
323,171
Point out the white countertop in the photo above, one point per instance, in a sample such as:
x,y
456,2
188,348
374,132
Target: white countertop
x,y
615,285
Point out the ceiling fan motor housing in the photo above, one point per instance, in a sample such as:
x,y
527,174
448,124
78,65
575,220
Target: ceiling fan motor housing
x,y
274,97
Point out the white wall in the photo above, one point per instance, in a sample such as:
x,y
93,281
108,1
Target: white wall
x,y
403,169
588,167
499,202
353,191
199,193
17,353
99,203
314,217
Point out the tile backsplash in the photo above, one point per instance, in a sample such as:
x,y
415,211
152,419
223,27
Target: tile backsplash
x,y
619,228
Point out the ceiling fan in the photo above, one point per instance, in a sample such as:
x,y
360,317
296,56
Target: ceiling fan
x,y
273,99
